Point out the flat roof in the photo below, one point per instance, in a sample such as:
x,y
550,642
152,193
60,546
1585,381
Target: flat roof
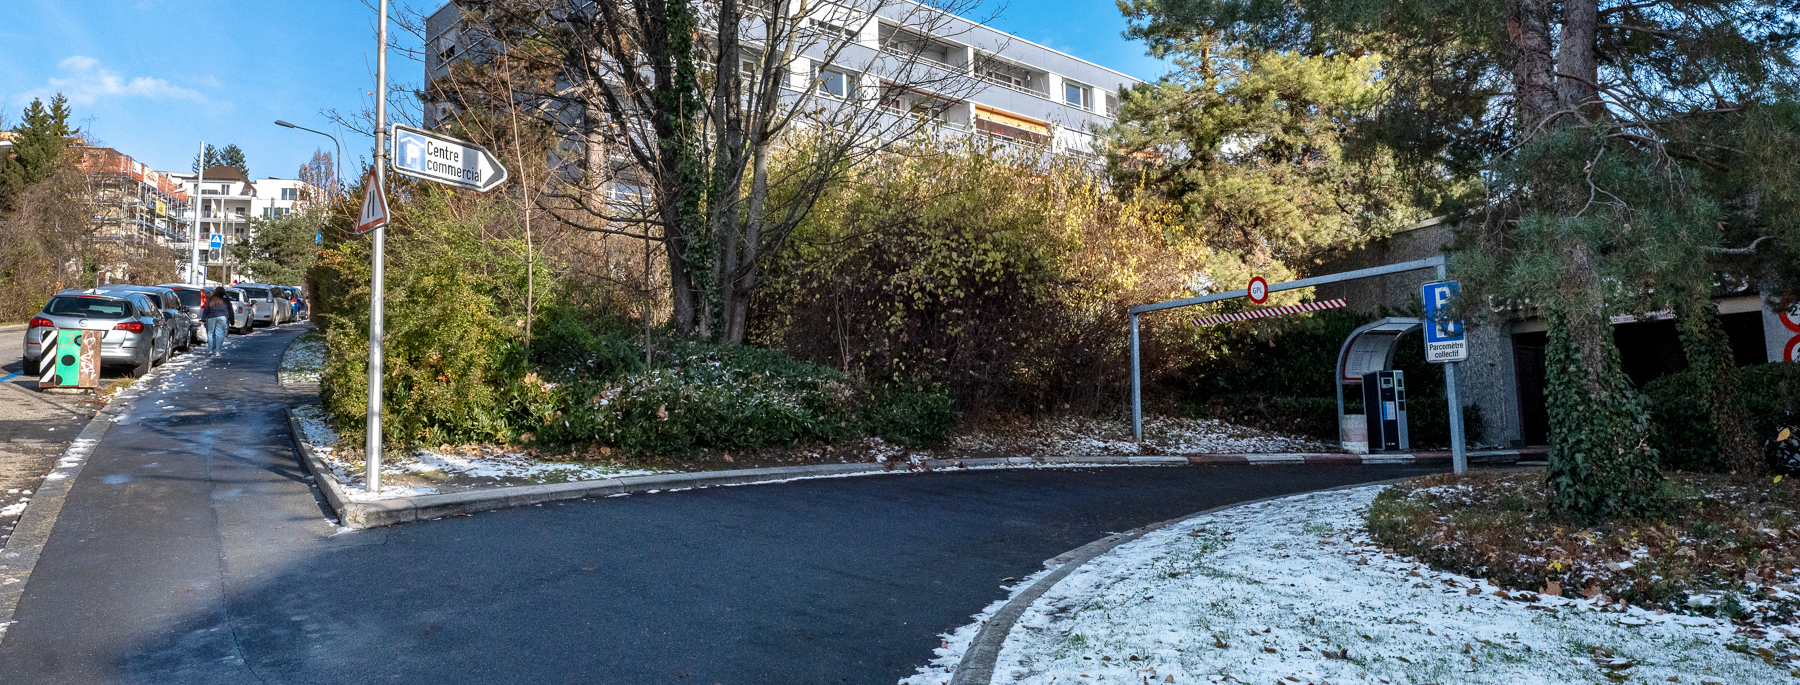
x,y
1026,41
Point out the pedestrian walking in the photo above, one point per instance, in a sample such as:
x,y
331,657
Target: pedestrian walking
x,y
216,313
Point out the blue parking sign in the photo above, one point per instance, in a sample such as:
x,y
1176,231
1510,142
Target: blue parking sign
x,y
1444,341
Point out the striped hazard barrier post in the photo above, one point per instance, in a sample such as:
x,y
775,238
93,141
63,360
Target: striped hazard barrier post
x,y
1268,312
69,358
46,363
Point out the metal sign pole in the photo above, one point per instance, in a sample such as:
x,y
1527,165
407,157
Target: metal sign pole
x,y
199,205
1459,454
377,277
1137,401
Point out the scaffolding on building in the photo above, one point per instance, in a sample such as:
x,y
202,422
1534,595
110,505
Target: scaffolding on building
x,y
137,211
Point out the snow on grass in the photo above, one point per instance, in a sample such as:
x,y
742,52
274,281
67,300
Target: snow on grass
x,y
424,472
1293,591
1163,435
304,359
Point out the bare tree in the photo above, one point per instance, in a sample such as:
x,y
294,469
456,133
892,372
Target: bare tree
x,y
730,118
320,176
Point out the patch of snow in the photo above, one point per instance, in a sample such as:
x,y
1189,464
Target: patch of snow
x,y
1163,435
1294,591
304,360
510,465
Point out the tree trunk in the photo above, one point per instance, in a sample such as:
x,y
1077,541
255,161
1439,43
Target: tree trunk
x,y
1601,465
1577,63
1534,89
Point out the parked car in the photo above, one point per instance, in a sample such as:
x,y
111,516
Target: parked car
x,y
136,332
286,295
195,297
182,319
243,315
298,302
265,307
302,308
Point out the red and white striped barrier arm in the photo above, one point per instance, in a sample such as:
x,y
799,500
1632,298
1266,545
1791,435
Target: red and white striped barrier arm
x,y
1268,312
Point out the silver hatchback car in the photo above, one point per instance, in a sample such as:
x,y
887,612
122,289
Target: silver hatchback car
x,y
266,307
137,332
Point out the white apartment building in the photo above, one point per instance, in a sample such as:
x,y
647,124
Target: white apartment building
x,y
228,200
1028,93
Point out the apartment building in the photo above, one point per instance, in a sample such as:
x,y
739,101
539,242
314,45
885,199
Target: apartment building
x,y
1025,92
139,214
227,201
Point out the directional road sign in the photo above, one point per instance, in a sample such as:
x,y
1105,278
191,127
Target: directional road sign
x,y
1444,340
374,205
436,157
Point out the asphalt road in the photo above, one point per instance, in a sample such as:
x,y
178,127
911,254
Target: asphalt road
x,y
192,550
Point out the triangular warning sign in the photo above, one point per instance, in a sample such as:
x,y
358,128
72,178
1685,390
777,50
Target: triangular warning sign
x,y
374,212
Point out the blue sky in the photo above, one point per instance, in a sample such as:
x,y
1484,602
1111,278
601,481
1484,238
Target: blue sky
x,y
153,78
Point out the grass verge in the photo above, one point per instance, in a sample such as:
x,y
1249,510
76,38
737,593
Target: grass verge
x,y
1724,546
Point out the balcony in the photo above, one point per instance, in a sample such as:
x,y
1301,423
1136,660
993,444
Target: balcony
x,y
1012,77
1012,133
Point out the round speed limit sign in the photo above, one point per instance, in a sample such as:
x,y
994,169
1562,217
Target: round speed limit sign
x,y
1259,290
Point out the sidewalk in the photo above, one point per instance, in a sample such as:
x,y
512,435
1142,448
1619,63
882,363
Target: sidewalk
x,y
194,487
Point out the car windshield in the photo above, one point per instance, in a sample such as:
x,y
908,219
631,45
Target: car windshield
x,y
256,293
88,306
191,298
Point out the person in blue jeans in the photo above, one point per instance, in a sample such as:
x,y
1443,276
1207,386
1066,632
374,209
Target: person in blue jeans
x,y
217,312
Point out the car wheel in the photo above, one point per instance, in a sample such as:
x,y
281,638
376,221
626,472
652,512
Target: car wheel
x,y
31,368
142,368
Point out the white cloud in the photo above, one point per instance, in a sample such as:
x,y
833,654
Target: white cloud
x,y
84,81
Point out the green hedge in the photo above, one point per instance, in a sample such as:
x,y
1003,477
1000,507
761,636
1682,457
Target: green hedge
x,y
1681,429
460,369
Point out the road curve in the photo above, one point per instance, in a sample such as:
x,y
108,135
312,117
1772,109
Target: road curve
x,y
192,550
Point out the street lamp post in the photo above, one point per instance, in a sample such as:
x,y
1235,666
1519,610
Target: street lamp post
x,y
199,207
339,159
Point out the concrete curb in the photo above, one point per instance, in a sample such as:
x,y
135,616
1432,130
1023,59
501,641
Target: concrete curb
x,y
354,514
387,512
977,664
12,327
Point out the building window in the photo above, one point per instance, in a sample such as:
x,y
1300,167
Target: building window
x,y
290,193
224,188
1075,94
1112,105
627,194
830,31
834,82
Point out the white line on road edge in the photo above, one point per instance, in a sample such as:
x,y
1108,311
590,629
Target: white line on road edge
x,y
977,664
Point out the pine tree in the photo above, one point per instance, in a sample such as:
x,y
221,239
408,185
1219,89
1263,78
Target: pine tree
x,y
1600,125
1254,145
231,156
39,143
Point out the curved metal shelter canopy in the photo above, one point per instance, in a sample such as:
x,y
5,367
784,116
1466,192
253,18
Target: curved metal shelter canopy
x,y
1369,348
